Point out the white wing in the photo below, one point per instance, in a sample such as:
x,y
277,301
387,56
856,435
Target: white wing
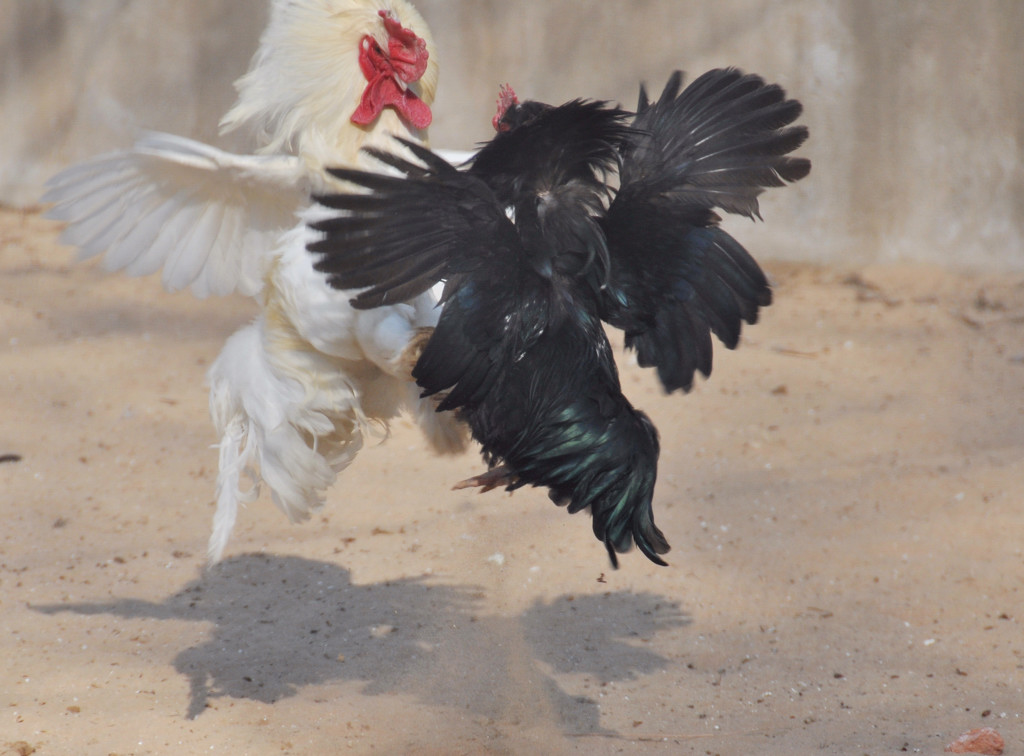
x,y
207,218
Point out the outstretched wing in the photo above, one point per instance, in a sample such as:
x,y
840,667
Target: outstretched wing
x,y
436,223
675,276
432,223
719,143
204,217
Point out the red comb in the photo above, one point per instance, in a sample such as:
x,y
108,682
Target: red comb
x,y
506,99
407,51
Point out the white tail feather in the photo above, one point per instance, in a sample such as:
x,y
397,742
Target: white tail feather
x,y
237,449
281,420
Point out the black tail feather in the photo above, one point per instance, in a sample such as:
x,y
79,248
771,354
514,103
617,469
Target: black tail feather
x,y
608,466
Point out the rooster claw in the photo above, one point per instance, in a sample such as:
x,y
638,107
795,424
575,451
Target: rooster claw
x,y
496,476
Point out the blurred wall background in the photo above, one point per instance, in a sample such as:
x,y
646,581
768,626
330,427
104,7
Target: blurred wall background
x,y
915,106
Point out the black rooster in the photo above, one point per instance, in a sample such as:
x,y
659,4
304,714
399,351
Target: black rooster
x,y
536,249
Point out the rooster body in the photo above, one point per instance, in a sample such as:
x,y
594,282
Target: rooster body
x,y
293,393
536,249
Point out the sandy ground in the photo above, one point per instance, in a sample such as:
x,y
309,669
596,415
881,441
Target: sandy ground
x,y
845,501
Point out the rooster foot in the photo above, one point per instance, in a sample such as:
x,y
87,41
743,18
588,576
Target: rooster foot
x,y
411,354
496,476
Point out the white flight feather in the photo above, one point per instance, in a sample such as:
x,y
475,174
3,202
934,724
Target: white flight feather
x,y
209,218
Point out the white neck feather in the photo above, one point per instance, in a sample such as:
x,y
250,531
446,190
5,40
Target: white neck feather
x,y
304,81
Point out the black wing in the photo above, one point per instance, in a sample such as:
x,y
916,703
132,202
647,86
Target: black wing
x,y
675,276
410,232
437,223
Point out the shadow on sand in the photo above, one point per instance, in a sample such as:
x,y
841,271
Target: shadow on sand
x,y
282,623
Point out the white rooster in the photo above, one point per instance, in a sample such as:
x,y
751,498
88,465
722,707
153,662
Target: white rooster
x,y
293,393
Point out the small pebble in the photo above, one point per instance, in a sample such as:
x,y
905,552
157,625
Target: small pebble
x,y
983,740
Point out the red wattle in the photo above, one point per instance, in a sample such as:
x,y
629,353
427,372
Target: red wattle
x,y
406,60
384,92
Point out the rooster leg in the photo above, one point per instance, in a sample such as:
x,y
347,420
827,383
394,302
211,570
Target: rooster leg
x,y
411,354
496,476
